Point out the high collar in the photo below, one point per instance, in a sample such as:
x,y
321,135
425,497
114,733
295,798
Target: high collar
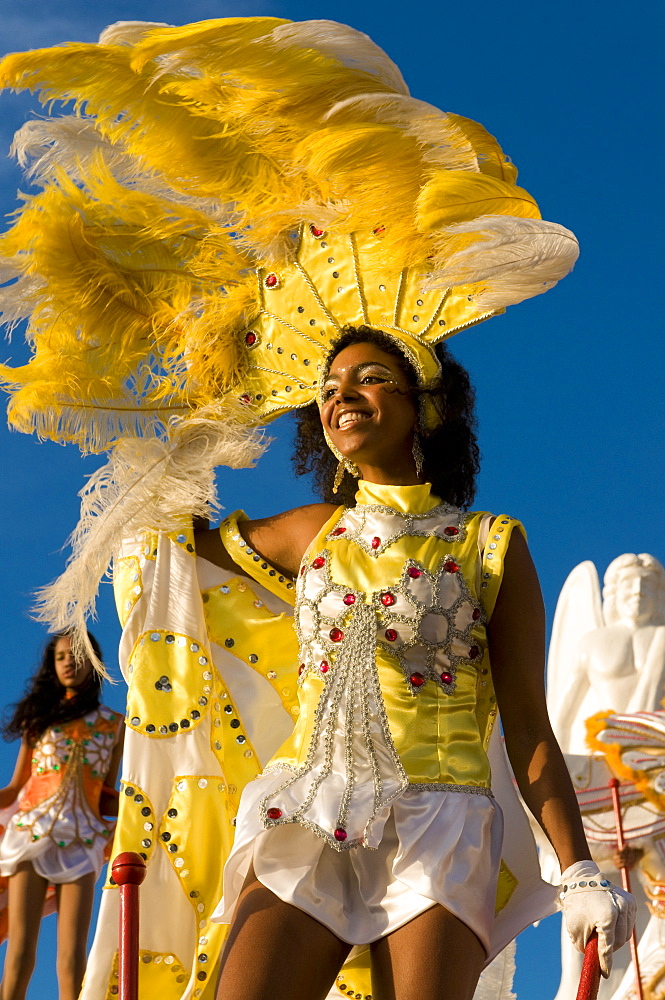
x,y
417,499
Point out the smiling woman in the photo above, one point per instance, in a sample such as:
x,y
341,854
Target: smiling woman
x,y
375,822
455,437
226,198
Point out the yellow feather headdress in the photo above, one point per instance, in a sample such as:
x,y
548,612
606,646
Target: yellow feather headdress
x,y
221,199
224,198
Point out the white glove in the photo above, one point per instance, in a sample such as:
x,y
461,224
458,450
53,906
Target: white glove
x,y
590,902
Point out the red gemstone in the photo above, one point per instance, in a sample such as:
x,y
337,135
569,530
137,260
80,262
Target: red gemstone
x,y
301,668
245,398
376,542
340,833
349,598
475,614
325,666
451,532
250,338
315,231
336,634
271,280
318,562
417,680
302,570
451,567
446,677
274,813
388,599
473,652
414,573
338,531
391,634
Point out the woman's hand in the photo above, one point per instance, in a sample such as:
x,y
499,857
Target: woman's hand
x,y
590,902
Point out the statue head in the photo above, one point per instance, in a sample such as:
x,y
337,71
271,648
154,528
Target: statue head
x,y
634,591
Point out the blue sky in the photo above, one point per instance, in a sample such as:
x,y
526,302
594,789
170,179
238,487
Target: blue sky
x,y
569,384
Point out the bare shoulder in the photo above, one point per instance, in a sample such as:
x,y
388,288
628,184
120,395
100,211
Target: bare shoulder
x,y
283,538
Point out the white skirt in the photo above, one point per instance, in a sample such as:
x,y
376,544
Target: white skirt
x,y
437,847
54,863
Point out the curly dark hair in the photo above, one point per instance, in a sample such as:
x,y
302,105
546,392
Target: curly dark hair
x,y
452,457
44,703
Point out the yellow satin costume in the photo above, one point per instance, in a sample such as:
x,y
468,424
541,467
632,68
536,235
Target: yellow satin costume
x,y
211,661
396,712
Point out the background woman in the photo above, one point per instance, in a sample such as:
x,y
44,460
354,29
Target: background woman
x,y
64,781
396,710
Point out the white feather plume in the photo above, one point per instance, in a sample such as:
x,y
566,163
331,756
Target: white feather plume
x,y
352,48
45,147
146,484
441,139
128,32
17,297
496,982
514,258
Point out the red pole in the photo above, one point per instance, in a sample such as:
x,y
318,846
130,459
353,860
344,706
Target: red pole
x,y
590,978
128,872
613,784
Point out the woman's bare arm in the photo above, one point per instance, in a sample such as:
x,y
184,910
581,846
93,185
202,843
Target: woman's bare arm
x,y
516,635
20,776
108,802
281,539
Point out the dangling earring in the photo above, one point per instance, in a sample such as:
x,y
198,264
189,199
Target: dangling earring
x,y
339,476
344,466
417,453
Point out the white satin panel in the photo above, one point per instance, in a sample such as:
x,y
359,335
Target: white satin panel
x,y
437,847
56,864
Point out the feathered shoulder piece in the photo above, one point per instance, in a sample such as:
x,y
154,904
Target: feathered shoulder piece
x,y
221,199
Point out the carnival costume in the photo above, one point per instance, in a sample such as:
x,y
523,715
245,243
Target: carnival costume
x,y
211,216
58,826
396,711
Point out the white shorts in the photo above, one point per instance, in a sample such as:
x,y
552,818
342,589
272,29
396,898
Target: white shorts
x,y
437,847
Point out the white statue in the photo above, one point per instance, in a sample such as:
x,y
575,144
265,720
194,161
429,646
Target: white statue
x,y
606,658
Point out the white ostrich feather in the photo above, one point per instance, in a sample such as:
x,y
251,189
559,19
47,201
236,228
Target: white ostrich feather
x,y
514,258
74,144
128,32
146,484
17,300
496,982
352,48
430,126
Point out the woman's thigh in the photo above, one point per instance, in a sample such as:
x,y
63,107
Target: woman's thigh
x,y
26,894
433,957
276,950
75,901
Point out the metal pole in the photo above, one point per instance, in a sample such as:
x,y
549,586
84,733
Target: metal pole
x,y
590,978
128,872
613,784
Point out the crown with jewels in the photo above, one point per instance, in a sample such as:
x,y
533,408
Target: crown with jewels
x,y
305,305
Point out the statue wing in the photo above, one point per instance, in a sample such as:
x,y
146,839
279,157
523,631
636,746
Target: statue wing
x,y
578,611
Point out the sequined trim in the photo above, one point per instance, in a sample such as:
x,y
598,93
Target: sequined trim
x,y
417,786
444,786
414,604
354,521
352,685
